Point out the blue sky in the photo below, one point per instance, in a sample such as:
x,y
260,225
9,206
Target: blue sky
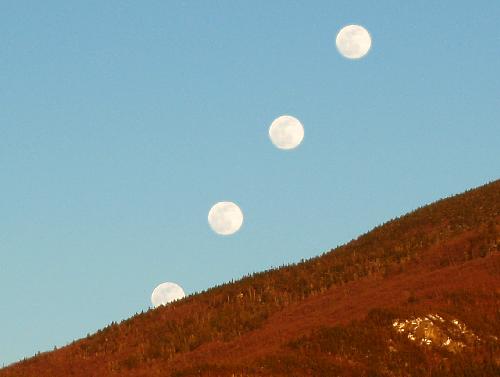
x,y
122,123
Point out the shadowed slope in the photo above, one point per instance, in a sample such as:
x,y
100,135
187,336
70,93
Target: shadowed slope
x,y
331,315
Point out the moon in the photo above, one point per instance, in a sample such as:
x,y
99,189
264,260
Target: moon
x,y
353,41
165,293
225,218
286,132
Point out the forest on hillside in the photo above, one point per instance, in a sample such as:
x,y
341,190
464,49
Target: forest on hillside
x,y
451,232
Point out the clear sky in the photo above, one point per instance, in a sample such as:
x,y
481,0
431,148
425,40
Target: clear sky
x,y
122,122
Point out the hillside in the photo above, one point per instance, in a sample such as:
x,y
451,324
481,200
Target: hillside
x,y
417,296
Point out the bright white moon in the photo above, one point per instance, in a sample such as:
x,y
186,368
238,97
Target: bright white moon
x,y
353,41
286,132
165,293
225,218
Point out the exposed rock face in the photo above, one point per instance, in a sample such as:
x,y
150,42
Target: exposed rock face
x,y
433,329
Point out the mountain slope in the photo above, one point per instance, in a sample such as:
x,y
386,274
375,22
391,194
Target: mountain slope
x,y
417,296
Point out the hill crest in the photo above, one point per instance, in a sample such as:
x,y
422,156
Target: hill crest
x,y
441,259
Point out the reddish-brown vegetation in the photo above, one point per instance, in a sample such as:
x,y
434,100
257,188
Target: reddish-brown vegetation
x,y
329,316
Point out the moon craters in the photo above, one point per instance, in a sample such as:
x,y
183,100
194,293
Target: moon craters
x,y
353,41
165,293
286,132
225,218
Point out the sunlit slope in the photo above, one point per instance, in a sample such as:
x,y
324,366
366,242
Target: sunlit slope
x,y
338,314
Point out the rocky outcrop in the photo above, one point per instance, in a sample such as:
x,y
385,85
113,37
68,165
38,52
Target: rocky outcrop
x,y
434,330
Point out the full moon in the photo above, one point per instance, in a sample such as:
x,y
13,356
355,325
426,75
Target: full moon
x,y
165,293
225,218
353,41
286,132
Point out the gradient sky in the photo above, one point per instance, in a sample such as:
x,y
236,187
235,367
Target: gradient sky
x,y
122,122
